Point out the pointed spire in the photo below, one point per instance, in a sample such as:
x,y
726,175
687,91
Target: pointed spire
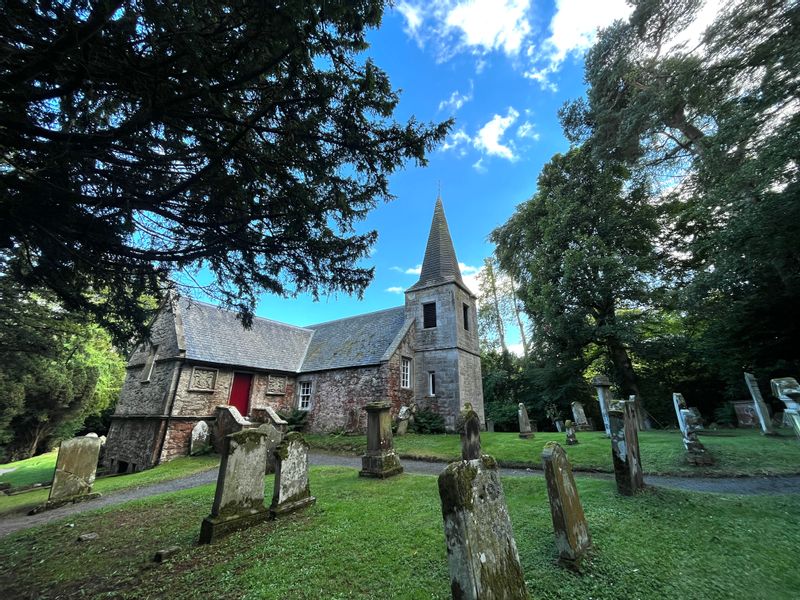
x,y
440,264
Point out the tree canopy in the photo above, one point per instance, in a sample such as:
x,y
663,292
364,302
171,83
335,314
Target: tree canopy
x,y
140,139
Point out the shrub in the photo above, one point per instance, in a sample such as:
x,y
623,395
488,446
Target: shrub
x,y
427,421
296,419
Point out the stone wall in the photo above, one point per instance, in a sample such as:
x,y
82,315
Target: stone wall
x,y
395,393
470,382
133,444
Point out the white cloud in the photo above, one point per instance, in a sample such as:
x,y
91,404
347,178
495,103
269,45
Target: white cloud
x,y
479,167
409,271
456,100
516,349
528,130
489,137
470,276
468,269
413,16
491,24
395,289
457,142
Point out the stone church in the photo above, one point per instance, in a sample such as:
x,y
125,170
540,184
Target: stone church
x,y
199,359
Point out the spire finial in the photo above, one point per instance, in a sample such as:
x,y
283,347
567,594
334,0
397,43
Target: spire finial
x,y
439,190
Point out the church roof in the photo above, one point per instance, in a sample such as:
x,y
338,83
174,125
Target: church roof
x,y
440,264
215,335
355,341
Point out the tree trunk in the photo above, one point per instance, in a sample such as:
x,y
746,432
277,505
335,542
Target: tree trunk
x,y
517,315
626,375
493,287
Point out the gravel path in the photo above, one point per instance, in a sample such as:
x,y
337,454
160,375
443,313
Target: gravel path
x,y
726,485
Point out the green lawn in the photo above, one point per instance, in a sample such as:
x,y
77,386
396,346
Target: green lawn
x,y
383,539
738,452
39,469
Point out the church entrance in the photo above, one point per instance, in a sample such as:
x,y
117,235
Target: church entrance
x,y
240,392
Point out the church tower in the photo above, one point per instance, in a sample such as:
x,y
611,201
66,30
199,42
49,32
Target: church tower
x,y
447,364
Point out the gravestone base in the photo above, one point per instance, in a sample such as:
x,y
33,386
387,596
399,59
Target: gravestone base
x,y
51,504
702,458
214,528
380,466
526,435
290,506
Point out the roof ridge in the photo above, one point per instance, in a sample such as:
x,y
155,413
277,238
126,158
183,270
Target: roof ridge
x,y
230,312
374,312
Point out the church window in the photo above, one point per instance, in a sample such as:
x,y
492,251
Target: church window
x,y
149,365
305,396
432,383
429,315
405,373
465,308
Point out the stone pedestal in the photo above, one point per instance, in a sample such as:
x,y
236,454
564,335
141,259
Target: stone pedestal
x,y
481,553
291,491
381,460
759,405
525,430
239,498
625,448
603,386
569,522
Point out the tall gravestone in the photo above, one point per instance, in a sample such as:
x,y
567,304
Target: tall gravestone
x,y
292,491
471,435
625,448
759,405
239,498
580,421
403,418
381,460
603,386
569,521
525,431
482,555
787,390
76,467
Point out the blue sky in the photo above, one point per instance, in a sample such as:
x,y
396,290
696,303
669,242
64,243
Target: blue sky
x,y
502,68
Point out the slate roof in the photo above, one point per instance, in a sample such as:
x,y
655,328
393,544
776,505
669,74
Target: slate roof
x,y
355,341
440,264
217,336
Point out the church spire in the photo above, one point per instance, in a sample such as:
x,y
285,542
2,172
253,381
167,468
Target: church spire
x,y
440,264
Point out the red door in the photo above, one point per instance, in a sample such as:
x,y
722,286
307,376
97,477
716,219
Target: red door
x,y
240,392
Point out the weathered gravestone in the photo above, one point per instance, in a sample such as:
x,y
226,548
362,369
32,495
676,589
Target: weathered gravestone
x,y
603,386
200,442
272,439
403,418
489,425
76,467
471,435
759,405
291,476
787,390
571,437
525,431
625,448
239,498
274,419
381,460
581,422
745,413
569,522
481,553
690,422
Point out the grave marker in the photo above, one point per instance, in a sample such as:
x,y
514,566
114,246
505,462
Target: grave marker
x,y
572,440
76,467
759,405
471,435
787,390
381,460
525,431
291,476
581,422
200,442
625,448
603,386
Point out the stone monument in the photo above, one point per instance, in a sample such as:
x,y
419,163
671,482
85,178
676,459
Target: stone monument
x,y
239,498
787,390
76,467
200,442
525,431
471,435
571,437
291,476
581,422
381,460
481,553
625,448
603,385
690,422
758,403
403,418
569,522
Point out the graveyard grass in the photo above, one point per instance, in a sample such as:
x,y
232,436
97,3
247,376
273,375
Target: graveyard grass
x,y
737,452
383,539
39,469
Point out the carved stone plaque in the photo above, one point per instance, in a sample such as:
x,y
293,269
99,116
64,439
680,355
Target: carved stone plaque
x,y
276,384
203,380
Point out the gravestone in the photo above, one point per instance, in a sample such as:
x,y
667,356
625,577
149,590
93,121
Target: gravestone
x,y
569,522
200,442
759,405
525,431
403,418
291,476
228,420
76,467
787,390
239,498
274,419
272,439
690,422
471,435
570,429
482,556
581,422
745,414
490,425
625,448
603,386
381,460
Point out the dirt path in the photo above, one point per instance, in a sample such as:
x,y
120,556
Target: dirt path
x,y
731,485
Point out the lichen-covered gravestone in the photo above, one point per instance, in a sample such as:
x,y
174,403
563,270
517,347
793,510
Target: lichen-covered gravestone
x,y
403,418
581,422
471,435
572,439
292,491
76,467
239,498
690,422
381,460
481,553
200,442
272,439
569,521
525,431
759,405
625,448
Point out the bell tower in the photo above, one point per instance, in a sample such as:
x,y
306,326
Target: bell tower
x,y
447,363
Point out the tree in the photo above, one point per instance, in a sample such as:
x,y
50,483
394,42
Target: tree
x,y
498,306
581,249
144,139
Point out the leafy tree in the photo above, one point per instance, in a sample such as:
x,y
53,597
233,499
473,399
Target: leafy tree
x,y
144,138
498,307
581,249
